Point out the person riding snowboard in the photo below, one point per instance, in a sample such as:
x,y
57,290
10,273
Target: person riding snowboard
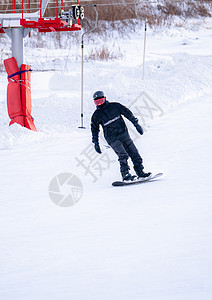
x,y
109,116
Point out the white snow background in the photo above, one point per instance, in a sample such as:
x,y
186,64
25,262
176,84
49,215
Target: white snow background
x,y
150,241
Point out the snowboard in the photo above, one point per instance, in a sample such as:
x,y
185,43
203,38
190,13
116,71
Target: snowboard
x,y
137,180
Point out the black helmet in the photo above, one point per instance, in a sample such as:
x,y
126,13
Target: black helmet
x,y
98,95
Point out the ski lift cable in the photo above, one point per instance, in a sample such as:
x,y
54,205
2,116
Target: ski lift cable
x,y
61,6
114,4
97,4
124,3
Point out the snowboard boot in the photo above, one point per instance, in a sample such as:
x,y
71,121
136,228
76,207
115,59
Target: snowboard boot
x,y
142,174
126,176
140,171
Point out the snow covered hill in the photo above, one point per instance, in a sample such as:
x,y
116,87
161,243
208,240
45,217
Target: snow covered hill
x,y
150,241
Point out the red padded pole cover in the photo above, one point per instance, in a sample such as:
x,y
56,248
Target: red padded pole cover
x,y
19,94
14,104
11,67
26,97
29,123
19,120
26,90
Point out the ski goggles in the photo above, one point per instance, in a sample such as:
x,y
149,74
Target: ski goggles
x,y
99,101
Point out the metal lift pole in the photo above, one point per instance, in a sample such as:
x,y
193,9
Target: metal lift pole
x,y
144,52
17,35
82,63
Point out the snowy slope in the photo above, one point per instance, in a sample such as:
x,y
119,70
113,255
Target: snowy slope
x,y
151,241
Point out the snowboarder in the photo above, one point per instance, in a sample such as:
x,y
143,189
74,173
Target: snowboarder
x,y
109,115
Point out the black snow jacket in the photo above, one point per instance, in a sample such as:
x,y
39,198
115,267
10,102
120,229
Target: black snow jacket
x,y
109,115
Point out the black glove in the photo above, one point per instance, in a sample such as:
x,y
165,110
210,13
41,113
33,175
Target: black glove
x,y
139,128
97,148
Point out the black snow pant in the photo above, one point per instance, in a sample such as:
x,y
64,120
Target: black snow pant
x,y
125,148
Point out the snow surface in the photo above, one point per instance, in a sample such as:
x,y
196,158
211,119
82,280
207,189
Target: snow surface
x,y
149,241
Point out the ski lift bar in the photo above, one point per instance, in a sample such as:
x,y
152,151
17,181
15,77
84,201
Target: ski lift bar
x,y
57,24
37,20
